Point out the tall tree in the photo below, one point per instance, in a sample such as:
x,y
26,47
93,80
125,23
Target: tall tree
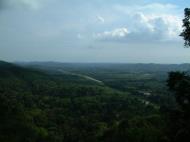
x,y
186,27
179,83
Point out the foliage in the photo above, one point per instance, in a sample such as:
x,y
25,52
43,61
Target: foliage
x,y
186,27
36,107
179,83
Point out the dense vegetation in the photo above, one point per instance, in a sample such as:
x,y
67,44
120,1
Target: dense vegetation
x,y
179,84
53,106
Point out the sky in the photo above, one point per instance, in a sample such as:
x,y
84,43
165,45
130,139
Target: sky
x,y
117,31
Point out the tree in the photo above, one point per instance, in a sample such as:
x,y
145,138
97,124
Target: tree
x,y
179,118
179,84
186,27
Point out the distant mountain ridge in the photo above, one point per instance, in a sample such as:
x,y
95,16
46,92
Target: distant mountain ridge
x,y
137,67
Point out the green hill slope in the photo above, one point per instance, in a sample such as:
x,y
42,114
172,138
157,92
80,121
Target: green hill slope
x,y
40,107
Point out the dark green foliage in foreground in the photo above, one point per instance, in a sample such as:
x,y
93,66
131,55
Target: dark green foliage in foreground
x,y
179,83
186,27
37,107
17,124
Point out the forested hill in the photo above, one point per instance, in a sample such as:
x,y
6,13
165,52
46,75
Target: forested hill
x,y
41,107
12,70
18,77
7,69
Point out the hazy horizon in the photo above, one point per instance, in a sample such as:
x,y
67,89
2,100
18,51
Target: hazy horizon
x,y
96,31
63,62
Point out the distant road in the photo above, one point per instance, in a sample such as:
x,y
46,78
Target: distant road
x,y
81,75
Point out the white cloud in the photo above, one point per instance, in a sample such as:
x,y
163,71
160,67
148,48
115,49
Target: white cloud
x,y
164,27
146,24
100,19
114,34
141,23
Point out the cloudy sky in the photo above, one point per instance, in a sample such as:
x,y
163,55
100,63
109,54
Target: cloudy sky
x,y
143,31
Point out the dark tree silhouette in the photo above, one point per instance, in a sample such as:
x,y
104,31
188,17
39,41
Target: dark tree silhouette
x,y
186,27
179,84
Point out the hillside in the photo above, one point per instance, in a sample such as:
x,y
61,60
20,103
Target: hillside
x,y
37,106
135,79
